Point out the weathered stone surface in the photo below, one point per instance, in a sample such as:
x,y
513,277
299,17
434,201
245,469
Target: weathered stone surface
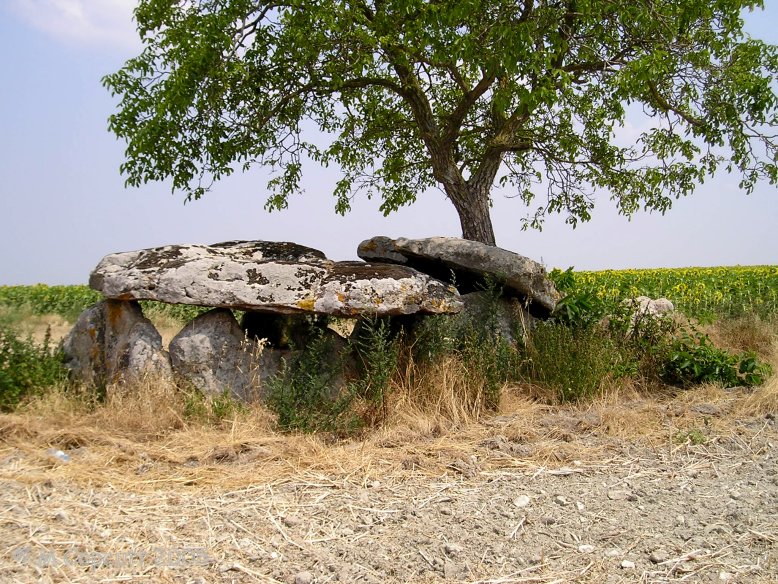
x,y
468,264
357,288
113,342
644,305
484,315
261,276
505,317
645,308
212,353
245,275
139,352
84,346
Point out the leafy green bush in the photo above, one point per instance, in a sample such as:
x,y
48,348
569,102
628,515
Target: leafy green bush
x,y
478,339
578,307
693,359
645,346
492,360
26,367
433,337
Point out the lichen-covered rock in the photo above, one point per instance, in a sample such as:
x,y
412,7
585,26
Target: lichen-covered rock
x,y
213,354
469,265
504,317
113,342
138,352
260,276
357,288
84,346
644,308
274,276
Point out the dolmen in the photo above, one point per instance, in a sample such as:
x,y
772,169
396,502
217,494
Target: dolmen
x,y
279,287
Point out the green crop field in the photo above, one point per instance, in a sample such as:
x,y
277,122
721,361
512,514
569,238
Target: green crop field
x,y
67,301
70,301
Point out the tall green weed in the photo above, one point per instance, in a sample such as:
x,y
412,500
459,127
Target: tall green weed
x,y
305,395
377,348
573,362
26,368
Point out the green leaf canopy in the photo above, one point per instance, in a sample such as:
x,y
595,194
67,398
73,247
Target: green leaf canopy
x,y
462,94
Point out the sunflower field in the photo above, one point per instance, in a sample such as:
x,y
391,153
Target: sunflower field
x,y
702,293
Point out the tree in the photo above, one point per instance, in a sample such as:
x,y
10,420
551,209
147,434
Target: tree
x,y
462,94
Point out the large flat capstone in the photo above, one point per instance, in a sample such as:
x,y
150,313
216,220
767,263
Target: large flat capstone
x,y
263,276
468,264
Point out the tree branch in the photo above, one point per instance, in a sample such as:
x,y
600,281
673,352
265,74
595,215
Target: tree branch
x,y
363,82
665,106
457,116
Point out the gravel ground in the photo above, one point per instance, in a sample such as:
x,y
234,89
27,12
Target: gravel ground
x,y
679,512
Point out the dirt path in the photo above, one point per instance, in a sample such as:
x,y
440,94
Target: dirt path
x,y
633,513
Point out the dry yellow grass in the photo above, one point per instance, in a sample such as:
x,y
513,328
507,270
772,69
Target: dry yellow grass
x,y
36,326
747,333
145,436
142,437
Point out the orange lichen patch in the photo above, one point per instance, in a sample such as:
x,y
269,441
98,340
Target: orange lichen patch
x,y
306,304
113,313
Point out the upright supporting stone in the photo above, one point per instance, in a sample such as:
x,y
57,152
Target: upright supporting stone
x,y
112,342
212,353
505,317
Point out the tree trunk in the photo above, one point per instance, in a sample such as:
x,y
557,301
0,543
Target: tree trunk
x,y
469,197
472,205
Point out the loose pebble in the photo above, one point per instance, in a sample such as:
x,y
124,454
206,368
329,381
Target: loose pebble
x,y
617,495
658,556
521,501
303,578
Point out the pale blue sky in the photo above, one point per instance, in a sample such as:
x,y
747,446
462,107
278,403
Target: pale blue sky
x,y
63,204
